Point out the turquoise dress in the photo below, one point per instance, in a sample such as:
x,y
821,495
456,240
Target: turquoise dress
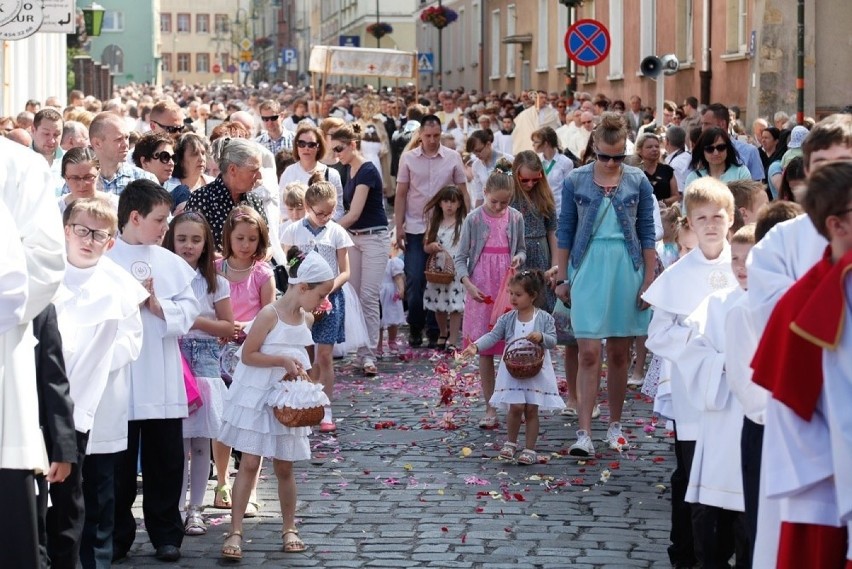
x,y
605,287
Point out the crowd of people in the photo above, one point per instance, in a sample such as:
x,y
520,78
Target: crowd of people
x,y
173,253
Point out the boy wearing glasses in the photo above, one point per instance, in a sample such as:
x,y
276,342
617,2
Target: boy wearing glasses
x,y
97,311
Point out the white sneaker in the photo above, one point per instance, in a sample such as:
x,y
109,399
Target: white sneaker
x,y
596,411
616,439
583,448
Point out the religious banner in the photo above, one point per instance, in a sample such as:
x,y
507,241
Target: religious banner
x,y
390,63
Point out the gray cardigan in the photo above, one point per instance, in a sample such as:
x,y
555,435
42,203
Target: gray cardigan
x,y
474,236
504,329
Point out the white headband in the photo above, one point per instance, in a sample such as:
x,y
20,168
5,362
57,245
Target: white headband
x,y
313,269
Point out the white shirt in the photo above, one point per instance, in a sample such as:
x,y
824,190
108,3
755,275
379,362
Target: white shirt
x,y
679,162
557,170
295,173
207,300
327,241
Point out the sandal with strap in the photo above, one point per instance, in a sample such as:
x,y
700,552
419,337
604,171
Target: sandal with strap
x,y
294,543
508,450
527,457
231,551
222,497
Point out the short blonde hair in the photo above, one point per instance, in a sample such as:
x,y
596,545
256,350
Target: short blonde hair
x,y
99,208
744,235
294,194
707,190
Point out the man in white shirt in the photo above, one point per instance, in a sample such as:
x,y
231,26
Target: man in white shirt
x,y
677,156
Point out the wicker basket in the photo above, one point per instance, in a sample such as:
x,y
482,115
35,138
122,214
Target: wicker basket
x,y
442,273
289,417
523,358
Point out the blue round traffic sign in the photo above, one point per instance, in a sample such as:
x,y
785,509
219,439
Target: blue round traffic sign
x,y
587,42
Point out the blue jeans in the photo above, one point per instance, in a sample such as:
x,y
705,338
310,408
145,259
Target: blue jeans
x,y
415,286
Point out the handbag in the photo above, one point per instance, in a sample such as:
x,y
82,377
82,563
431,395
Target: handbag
x,y
193,396
502,304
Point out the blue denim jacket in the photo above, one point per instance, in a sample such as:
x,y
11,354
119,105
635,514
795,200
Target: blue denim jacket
x,y
633,204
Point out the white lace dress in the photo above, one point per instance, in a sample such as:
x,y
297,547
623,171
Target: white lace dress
x,y
249,424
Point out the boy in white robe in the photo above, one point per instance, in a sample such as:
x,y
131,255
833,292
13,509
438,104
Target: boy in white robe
x,y
98,316
157,392
673,296
796,471
715,480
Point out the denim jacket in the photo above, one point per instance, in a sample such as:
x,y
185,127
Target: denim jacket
x,y
633,204
474,236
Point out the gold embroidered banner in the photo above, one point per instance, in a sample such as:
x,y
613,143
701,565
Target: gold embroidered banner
x,y
388,63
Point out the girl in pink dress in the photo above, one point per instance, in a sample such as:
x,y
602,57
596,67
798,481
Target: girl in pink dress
x,y
492,242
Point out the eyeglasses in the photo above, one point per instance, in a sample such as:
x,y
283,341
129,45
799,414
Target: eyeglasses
x,y
532,180
339,149
98,235
306,144
88,178
617,158
714,148
270,118
170,129
322,215
163,156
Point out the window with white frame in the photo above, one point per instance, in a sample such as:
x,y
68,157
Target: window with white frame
x,y
221,24
475,18
511,49
561,30
616,35
684,31
202,23
543,39
736,21
183,62
202,62
166,62
495,44
113,21
184,25
166,23
647,28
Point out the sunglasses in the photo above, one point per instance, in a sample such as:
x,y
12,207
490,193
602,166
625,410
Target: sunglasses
x,y
98,235
532,180
338,149
270,118
713,148
306,144
170,129
617,158
163,157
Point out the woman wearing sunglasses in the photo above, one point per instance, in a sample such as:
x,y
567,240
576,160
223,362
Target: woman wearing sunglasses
x,y
309,146
154,153
605,261
715,156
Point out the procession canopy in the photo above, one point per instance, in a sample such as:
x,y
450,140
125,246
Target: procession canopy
x,y
362,61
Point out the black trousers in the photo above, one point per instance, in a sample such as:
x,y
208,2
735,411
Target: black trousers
x,y
752,451
720,533
161,444
99,497
18,526
682,550
61,525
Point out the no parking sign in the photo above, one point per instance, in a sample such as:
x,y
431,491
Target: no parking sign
x,y
587,42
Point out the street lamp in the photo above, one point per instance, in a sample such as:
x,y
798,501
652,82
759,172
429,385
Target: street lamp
x,y
93,16
572,6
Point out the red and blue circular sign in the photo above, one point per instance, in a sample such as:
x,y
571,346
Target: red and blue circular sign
x,y
587,42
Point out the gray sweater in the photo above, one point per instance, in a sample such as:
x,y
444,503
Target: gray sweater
x,y
504,329
474,236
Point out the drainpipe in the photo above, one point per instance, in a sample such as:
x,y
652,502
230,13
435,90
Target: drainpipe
x,y
706,73
800,64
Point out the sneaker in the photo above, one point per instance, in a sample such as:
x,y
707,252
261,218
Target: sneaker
x,y
596,411
634,381
616,439
583,448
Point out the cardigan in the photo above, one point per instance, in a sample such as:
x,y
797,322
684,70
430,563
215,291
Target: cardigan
x,y
474,236
504,329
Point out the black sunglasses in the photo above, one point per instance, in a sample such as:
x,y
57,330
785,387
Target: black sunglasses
x,y
711,148
170,129
338,149
270,118
610,157
163,157
306,144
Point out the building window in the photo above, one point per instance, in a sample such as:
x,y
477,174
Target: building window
x,y
683,31
561,30
113,56
221,23
616,35
202,23
477,34
511,49
165,23
736,23
184,25
183,65
495,44
224,59
202,62
166,60
113,21
589,72
647,28
543,45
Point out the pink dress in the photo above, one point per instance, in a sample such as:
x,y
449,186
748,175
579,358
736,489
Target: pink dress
x,y
488,274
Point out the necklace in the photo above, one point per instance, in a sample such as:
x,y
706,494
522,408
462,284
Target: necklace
x,y
229,268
